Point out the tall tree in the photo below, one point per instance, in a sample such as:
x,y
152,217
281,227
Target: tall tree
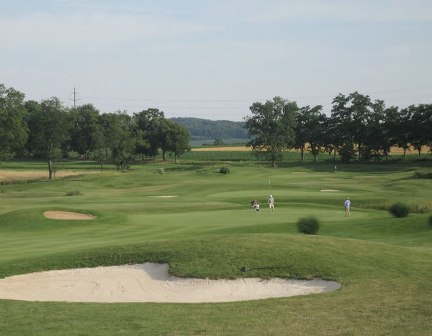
x,y
13,128
376,138
310,128
177,139
120,138
342,124
422,127
403,129
149,124
49,128
361,112
85,129
271,127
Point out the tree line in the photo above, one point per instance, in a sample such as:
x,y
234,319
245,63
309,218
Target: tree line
x,y
48,130
357,128
201,129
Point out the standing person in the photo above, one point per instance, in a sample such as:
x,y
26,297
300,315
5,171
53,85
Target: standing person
x,y
270,202
347,205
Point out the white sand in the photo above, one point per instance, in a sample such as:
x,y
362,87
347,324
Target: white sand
x,y
148,283
329,190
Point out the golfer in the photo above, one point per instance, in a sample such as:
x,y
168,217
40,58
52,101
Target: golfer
x,y
270,202
257,208
347,205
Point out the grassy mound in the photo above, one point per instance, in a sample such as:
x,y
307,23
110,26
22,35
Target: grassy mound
x,y
209,231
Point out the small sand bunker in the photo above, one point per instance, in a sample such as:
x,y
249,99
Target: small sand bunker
x,y
329,190
148,283
67,215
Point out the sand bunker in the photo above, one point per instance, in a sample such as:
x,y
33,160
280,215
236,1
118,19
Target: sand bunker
x,y
329,190
67,215
164,196
148,283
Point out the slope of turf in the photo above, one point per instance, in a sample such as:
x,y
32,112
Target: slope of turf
x,y
207,229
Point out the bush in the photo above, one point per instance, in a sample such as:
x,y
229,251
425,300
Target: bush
x,y
399,210
423,174
430,220
224,170
309,225
73,193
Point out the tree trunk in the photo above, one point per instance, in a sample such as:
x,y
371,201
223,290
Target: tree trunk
x,y
50,169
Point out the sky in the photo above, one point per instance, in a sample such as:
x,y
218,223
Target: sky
x,y
214,59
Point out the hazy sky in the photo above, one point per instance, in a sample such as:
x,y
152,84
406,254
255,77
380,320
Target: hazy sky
x,y
213,59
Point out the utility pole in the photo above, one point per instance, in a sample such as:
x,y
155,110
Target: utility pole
x,y
74,98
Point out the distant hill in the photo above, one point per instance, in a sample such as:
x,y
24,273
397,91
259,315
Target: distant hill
x,y
204,129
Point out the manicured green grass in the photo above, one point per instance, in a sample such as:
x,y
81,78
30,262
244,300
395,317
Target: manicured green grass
x,y
209,230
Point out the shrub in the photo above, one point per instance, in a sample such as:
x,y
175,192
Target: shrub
x,y
423,174
73,193
309,225
430,220
224,170
399,210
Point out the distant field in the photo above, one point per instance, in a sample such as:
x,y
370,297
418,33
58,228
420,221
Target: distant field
x,y
20,175
394,150
222,149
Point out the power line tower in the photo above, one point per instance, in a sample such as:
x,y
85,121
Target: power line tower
x,y
75,99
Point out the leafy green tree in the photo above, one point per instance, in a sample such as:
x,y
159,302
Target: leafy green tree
x,y
421,127
343,126
49,128
403,130
360,107
85,129
149,125
389,135
119,127
271,127
376,140
309,129
300,140
101,151
177,139
13,128
330,136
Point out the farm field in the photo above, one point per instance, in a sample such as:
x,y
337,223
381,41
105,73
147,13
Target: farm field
x,y
200,222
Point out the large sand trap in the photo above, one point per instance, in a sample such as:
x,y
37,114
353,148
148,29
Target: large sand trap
x,y
67,215
148,283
